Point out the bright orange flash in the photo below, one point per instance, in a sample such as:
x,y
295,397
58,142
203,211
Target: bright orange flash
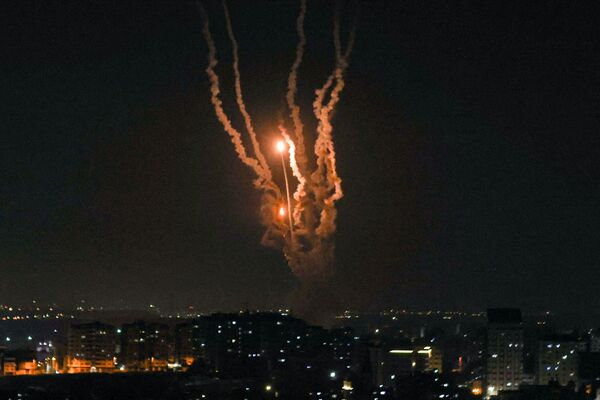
x,y
280,146
282,211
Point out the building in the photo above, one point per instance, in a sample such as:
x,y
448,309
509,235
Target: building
x,y
19,362
232,343
2,357
542,392
47,356
91,348
557,360
342,341
594,341
145,346
503,350
388,363
253,344
185,353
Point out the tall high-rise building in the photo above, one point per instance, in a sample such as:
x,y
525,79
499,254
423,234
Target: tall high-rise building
x,y
145,346
185,351
557,360
91,348
503,350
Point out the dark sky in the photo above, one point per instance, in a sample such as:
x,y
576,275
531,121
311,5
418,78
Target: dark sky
x,y
467,138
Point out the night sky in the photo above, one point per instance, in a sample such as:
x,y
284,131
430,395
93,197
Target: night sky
x,y
467,139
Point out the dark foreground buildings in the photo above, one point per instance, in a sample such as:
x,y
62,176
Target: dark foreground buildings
x,y
393,355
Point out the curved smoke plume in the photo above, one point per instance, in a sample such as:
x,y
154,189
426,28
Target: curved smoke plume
x,y
307,244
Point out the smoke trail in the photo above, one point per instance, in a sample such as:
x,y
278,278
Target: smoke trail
x,y
239,96
293,88
302,201
339,58
309,250
324,146
300,193
263,179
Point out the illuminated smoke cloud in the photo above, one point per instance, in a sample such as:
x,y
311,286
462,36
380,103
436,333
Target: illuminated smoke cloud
x,y
308,244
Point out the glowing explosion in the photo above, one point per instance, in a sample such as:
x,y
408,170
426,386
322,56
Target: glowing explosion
x,y
307,237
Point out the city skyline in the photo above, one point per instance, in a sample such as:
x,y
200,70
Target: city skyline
x,y
395,354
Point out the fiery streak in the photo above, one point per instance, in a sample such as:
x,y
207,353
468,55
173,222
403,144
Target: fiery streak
x,y
300,192
309,250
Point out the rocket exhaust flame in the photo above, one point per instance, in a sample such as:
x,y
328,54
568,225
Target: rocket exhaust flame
x,y
309,248
300,194
280,146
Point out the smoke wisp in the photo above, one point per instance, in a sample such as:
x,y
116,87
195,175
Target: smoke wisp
x,y
308,244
